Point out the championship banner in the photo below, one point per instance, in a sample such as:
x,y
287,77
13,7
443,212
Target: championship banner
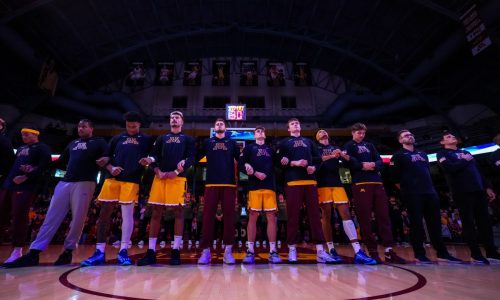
x,y
248,73
164,73
236,112
192,73
220,73
475,31
275,74
302,74
136,75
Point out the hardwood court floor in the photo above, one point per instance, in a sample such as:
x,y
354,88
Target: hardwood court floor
x,y
306,280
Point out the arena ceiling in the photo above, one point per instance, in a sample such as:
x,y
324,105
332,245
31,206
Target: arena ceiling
x,y
412,56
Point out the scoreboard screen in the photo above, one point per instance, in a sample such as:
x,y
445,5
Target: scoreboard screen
x,y
236,112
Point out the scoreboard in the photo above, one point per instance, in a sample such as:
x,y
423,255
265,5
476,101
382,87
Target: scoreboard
x,y
236,112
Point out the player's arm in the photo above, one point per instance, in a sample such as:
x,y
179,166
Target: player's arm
x,y
190,153
450,163
354,163
42,162
62,161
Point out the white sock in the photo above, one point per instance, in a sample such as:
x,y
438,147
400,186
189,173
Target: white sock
x,y
330,246
319,248
250,247
101,247
292,247
177,241
229,249
272,247
350,230
127,224
152,243
356,246
387,249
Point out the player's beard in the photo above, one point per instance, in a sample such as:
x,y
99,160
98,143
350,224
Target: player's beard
x,y
220,131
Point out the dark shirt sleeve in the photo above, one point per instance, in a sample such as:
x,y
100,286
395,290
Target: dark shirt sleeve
x,y
43,163
191,153
156,152
110,151
62,161
450,163
353,164
244,158
316,156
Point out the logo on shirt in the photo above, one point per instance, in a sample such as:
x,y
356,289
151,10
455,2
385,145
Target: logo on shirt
x,y
327,152
131,140
173,139
363,149
299,143
465,156
24,152
262,152
417,157
220,146
80,146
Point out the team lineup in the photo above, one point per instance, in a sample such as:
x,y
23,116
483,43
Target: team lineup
x,y
311,180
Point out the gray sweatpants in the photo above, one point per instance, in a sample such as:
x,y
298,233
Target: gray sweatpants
x,y
67,195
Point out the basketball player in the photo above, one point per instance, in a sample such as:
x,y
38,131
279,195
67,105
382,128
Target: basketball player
x,y
369,193
221,153
172,155
469,192
18,188
73,192
121,186
257,162
331,191
410,172
300,159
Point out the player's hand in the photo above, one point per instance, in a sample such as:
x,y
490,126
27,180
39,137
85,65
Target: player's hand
x,y
20,179
180,166
284,161
303,163
344,155
311,169
249,169
101,162
145,161
170,175
260,175
367,166
115,171
491,194
26,168
336,153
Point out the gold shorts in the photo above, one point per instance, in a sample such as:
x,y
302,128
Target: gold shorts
x,y
119,191
168,192
259,200
335,195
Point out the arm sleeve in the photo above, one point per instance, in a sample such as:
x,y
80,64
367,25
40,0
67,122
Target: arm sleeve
x,y
190,153
62,161
353,163
156,152
450,163
43,162
316,156
244,158
111,147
